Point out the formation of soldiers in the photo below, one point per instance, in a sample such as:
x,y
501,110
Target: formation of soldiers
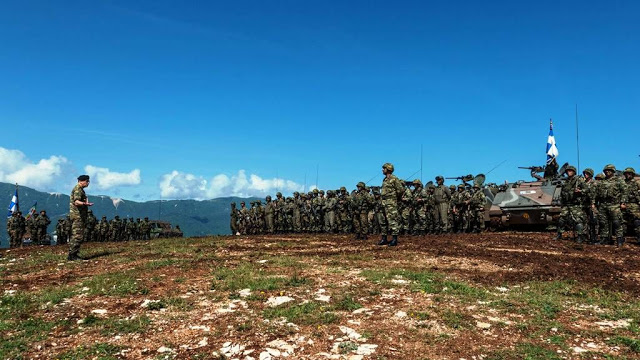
x,y
35,226
103,230
600,209
115,229
417,210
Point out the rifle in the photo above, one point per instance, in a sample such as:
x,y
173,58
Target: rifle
x,y
464,178
532,168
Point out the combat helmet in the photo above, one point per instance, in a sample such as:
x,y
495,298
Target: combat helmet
x,y
417,182
361,185
588,171
600,176
460,186
268,198
610,167
629,170
431,186
315,191
453,187
279,194
295,193
342,188
571,167
388,166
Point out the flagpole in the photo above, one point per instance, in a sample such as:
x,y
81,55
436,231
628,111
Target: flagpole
x,y
17,199
577,138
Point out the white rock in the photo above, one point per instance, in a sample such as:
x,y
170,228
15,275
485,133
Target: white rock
x,y
147,302
592,345
483,325
164,349
278,300
273,352
399,281
352,334
401,314
244,293
622,323
579,350
366,349
355,357
265,355
262,261
85,289
360,311
200,327
324,298
99,311
502,289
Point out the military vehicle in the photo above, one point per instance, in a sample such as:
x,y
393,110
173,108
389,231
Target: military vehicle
x,y
527,204
163,229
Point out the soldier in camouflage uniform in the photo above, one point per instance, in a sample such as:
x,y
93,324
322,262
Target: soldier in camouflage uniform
x,y
589,195
251,226
269,215
379,220
459,209
14,224
32,225
280,213
632,210
233,219
406,207
343,211
90,226
78,211
442,196
361,202
572,197
146,229
419,207
432,224
260,217
244,219
42,223
297,213
451,215
476,209
59,230
315,211
611,199
103,229
305,212
329,209
391,193
115,229
131,229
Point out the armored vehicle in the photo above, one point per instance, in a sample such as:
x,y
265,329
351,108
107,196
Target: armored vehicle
x,y
163,229
527,204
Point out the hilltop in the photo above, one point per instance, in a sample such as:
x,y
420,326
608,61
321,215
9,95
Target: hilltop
x,y
484,296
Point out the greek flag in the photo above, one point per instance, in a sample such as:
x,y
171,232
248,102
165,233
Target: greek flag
x,y
552,150
13,206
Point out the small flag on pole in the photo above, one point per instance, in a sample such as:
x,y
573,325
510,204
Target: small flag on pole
x,y
31,211
552,150
13,205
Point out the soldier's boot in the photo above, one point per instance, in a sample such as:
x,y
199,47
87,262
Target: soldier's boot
x,y
394,241
558,236
365,237
580,238
383,240
620,241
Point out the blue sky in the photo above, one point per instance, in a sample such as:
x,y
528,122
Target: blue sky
x,y
170,99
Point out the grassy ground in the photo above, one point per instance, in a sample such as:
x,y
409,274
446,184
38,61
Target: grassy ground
x,y
217,297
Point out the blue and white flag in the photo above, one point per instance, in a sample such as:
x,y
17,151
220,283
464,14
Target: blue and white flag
x,y
13,206
552,150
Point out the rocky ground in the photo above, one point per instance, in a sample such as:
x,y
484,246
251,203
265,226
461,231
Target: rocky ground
x,y
486,296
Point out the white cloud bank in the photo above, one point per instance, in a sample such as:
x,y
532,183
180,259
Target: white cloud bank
x,y
46,174
104,179
179,185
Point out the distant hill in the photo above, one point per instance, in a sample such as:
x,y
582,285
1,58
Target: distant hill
x,y
196,218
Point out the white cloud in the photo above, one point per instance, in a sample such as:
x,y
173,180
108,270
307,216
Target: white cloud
x,y
46,174
179,185
104,179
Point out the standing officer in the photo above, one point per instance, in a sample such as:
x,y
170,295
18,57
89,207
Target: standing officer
x,y
391,192
78,210
611,199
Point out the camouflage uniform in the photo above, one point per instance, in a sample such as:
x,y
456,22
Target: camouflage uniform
x,y
419,207
360,202
442,196
432,224
476,209
280,213
297,212
406,207
78,215
90,226
610,195
32,225
632,211
103,229
391,192
269,215
115,229
244,219
379,220
260,217
329,210
589,196
343,211
572,197
59,231
41,227
145,228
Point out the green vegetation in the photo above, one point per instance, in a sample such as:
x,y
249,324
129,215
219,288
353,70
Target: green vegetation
x,y
114,284
97,351
311,313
